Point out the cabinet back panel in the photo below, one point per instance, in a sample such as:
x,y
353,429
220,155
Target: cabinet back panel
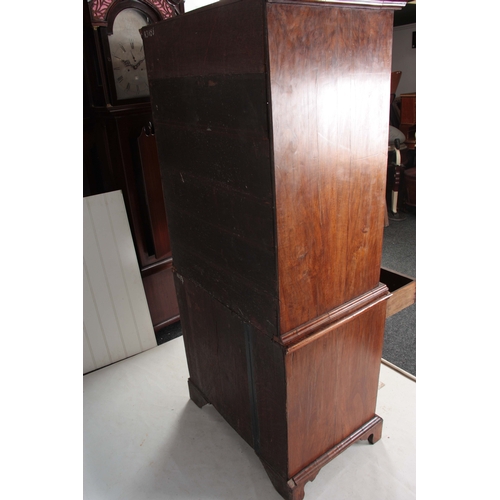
x,y
214,150
219,42
216,355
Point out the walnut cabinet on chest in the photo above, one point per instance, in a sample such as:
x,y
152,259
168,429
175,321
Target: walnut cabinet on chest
x,y
271,120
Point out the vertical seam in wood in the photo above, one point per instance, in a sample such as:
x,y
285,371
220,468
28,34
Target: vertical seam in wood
x,y
254,417
270,125
348,236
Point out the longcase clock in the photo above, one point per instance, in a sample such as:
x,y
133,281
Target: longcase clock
x,y
119,143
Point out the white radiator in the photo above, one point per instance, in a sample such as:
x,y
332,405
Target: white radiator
x,y
116,319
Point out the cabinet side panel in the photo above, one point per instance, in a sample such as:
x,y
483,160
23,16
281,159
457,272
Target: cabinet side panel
x,y
330,85
216,354
332,385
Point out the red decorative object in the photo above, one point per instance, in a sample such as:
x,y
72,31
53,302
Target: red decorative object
x,y
166,10
99,9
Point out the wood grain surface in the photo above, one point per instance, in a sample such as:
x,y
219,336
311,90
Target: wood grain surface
x,y
330,84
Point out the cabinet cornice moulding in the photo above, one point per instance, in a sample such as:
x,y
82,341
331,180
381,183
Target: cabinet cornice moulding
x,y
373,4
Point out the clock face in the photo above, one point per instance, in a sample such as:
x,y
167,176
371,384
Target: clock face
x,y
127,55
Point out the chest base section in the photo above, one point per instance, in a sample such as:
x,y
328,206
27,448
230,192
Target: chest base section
x,y
298,404
293,488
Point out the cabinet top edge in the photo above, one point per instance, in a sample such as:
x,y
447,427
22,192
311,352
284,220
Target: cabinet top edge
x,y
373,4
361,4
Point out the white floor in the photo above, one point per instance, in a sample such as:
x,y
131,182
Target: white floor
x,y
144,439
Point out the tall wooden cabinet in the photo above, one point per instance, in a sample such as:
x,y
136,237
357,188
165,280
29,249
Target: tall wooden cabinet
x,y
271,118
119,146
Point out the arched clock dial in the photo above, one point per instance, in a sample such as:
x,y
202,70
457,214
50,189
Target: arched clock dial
x,y
127,55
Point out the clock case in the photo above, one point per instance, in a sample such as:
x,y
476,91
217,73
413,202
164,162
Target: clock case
x,y
120,151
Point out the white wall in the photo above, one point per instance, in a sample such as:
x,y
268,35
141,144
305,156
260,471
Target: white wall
x,y
404,58
196,4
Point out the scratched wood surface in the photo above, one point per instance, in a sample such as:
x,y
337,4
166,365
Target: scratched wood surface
x,y
215,154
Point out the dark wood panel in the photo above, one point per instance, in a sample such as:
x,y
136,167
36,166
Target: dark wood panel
x,y
222,208
254,305
216,355
160,293
215,103
408,108
219,42
124,130
332,385
222,248
330,160
270,388
239,161
153,193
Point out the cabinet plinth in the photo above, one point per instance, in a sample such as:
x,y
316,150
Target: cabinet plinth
x,y
271,120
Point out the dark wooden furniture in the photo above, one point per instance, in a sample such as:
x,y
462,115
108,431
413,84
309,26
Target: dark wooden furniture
x,y
411,187
408,122
271,121
120,149
409,128
394,111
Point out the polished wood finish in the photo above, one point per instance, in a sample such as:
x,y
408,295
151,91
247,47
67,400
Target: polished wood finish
x,y
293,489
332,385
271,122
333,101
159,239
408,123
409,108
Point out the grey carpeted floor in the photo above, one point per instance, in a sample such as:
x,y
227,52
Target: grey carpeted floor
x,y
399,254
